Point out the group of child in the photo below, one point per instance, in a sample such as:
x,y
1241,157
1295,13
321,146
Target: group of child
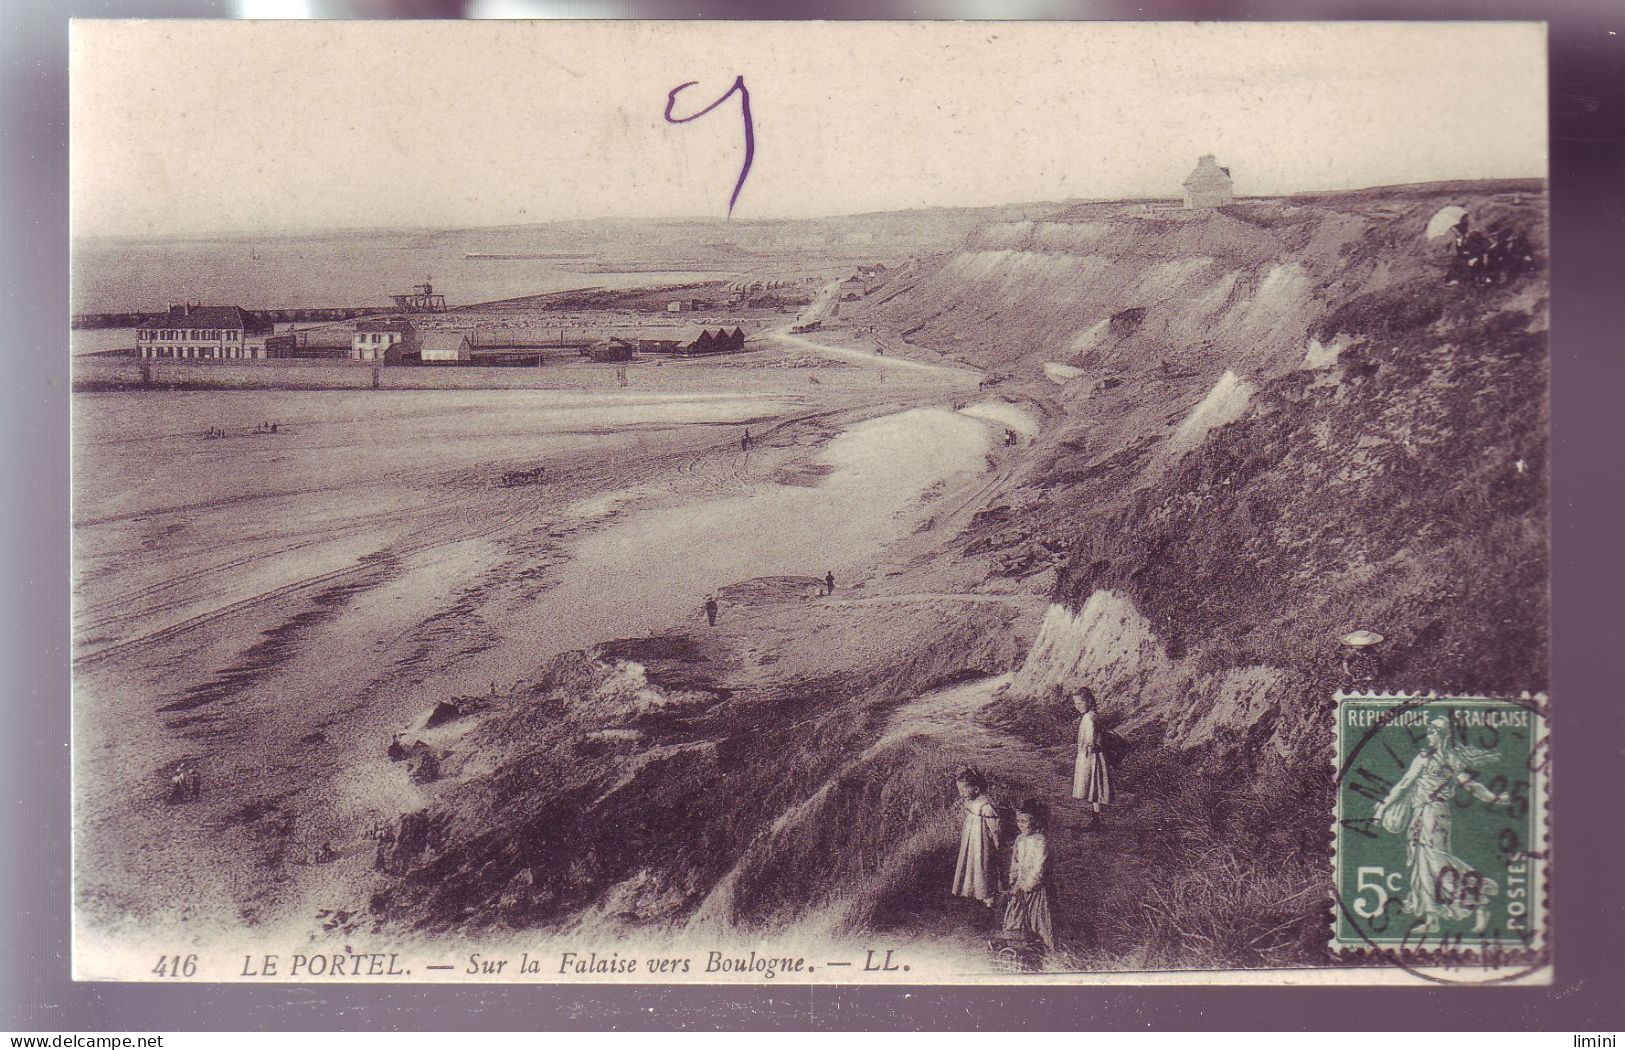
x,y
1026,882
185,785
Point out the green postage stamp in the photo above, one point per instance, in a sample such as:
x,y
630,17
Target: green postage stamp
x,y
1440,844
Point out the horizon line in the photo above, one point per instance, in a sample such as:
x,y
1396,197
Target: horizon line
x,y
305,231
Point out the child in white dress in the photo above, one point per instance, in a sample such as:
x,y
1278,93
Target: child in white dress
x,y
974,875
1092,776
1029,908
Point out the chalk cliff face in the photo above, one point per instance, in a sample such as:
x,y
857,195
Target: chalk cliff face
x,y
1276,423
1262,427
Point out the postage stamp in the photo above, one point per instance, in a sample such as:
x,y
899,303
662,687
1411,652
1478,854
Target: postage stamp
x,y
1440,839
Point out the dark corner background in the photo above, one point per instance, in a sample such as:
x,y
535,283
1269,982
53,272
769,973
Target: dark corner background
x,y
1588,231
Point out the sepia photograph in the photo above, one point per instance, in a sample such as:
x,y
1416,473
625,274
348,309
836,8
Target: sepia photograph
x,y
810,503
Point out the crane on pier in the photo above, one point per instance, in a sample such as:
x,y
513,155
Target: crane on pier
x,y
423,299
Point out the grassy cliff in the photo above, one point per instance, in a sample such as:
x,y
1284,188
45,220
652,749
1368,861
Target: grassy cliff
x,y
1276,423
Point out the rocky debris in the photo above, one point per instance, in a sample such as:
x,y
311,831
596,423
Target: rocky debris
x,y
455,708
413,841
1125,323
423,764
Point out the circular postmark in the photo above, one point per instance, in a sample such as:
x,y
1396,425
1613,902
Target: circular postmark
x,y
1440,845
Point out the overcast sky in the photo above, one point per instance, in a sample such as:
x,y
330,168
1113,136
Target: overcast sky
x,y
195,127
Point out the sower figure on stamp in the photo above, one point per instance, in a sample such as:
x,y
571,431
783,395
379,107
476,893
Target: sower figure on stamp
x,y
975,875
1092,776
1442,886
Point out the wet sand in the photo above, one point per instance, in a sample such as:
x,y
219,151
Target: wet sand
x,y
272,608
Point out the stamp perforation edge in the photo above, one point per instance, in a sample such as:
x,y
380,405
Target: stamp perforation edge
x,y
1532,955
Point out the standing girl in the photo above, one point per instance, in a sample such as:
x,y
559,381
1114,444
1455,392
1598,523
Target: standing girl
x,y
1029,909
975,876
1092,777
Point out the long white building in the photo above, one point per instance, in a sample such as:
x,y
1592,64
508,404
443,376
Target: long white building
x,y
193,331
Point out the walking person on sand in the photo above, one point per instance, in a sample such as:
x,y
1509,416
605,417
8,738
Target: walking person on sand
x,y
1029,910
974,874
829,583
711,610
1092,777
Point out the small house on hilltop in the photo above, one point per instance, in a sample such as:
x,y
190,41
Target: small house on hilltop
x,y
1209,186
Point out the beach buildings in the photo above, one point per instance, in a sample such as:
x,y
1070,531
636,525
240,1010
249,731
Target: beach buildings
x,y
724,342
444,346
1208,186
195,331
382,340
611,351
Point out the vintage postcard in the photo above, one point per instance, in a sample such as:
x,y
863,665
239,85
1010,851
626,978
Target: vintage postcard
x,y
810,503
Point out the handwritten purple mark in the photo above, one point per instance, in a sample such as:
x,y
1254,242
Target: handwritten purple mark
x,y
744,111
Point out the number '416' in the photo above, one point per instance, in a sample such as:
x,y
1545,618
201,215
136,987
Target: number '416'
x,y
176,966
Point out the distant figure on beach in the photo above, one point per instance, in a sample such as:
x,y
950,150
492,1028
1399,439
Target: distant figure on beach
x,y
711,610
273,428
177,786
1029,906
829,583
396,751
385,836
974,874
1092,776
744,441
194,784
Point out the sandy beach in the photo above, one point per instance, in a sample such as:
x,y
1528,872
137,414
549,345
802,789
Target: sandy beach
x,y
271,608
